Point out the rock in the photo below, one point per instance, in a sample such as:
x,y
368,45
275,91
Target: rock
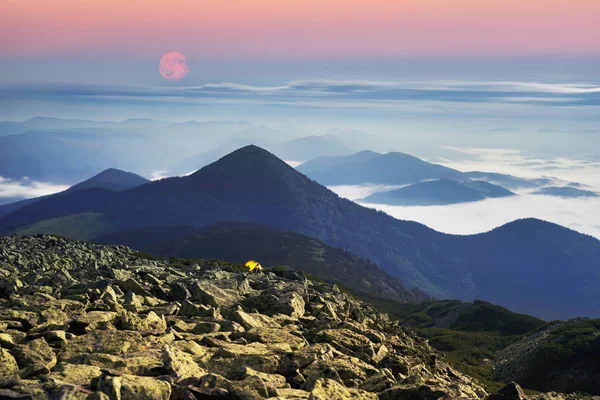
x,y
133,302
344,340
291,394
8,369
196,393
208,327
132,285
347,370
250,388
6,340
75,374
139,363
179,292
379,382
247,320
93,320
181,365
189,309
208,294
281,303
271,381
291,304
419,393
36,357
274,335
8,394
131,387
327,389
106,342
512,391
150,322
130,328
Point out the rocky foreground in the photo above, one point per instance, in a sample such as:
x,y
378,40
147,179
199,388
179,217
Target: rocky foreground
x,y
84,321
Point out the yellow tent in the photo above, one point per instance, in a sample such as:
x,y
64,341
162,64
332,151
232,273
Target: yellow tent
x,y
253,266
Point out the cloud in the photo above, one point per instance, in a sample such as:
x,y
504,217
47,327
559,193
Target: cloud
x,y
482,216
11,189
420,96
355,192
468,218
293,163
158,174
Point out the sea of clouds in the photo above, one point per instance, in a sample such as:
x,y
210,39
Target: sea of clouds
x,y
13,190
580,214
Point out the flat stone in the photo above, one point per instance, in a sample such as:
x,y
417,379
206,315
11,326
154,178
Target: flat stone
x,y
75,374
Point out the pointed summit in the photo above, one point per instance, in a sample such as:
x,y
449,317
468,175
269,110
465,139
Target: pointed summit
x,y
252,175
251,156
111,178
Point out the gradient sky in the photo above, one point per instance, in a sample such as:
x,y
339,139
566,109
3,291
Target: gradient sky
x,y
299,29
53,52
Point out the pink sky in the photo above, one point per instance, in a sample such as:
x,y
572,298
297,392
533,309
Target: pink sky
x,y
300,29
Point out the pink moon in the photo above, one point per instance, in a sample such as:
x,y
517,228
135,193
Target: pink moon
x,y
173,66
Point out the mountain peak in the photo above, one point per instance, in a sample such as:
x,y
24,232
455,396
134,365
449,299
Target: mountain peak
x,y
253,176
113,179
248,160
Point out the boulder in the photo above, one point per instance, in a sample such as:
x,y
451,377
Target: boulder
x,y
417,393
328,389
181,365
8,369
125,327
150,322
106,342
36,357
132,387
179,292
75,374
209,294
512,391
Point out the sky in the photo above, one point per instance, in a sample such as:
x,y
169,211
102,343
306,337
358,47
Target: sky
x,y
299,29
359,61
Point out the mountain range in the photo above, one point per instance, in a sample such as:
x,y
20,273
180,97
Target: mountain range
x,y
565,191
292,150
391,168
394,168
438,192
529,266
65,151
110,179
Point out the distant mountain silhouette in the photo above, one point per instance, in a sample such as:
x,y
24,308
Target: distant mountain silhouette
x,y
509,181
293,150
566,191
308,147
402,169
38,157
439,192
528,266
238,242
325,163
390,168
111,179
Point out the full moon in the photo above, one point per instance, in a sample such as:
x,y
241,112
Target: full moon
x,y
173,66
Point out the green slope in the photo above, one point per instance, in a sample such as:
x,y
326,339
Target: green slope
x,y
85,226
